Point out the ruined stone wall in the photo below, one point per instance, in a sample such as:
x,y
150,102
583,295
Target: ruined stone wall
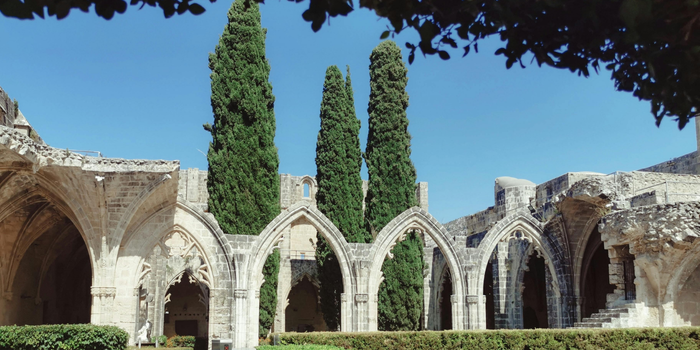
x,y
688,302
687,164
7,110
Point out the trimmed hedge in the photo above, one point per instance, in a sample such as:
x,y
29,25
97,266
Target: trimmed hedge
x,y
298,347
614,339
63,337
181,341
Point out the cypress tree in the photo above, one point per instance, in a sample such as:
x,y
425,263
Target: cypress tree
x,y
339,195
243,180
391,191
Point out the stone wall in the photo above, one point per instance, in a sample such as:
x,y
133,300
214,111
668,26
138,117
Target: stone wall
x,y
687,164
7,110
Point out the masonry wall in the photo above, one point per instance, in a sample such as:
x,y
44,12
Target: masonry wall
x,y
7,110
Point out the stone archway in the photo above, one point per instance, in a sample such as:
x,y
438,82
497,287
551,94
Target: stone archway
x,y
519,227
595,276
421,221
249,283
186,309
303,309
444,301
44,257
167,242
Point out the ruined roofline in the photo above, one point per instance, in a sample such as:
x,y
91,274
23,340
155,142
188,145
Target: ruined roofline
x,y
484,219
42,155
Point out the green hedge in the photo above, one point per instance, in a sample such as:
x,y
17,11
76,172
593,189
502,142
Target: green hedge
x,y
298,347
614,339
183,341
63,337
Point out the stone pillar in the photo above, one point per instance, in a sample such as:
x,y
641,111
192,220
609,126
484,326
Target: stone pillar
x,y
456,319
241,320
427,278
365,322
472,311
500,286
102,305
345,313
253,318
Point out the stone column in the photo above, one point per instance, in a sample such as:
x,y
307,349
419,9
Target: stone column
x,y
364,322
456,319
345,313
102,305
472,311
500,285
241,325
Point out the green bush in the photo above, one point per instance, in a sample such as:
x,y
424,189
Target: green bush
x,y
685,338
298,347
178,341
63,337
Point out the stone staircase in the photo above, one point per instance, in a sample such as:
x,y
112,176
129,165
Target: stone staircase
x,y
623,316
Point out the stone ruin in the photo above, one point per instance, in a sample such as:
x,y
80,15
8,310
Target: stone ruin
x,y
130,243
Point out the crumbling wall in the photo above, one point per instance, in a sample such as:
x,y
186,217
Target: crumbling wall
x,y
7,110
687,164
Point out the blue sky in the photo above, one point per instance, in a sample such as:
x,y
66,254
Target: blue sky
x,y
138,86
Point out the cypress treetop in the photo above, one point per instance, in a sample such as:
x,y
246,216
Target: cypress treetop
x,y
243,178
338,158
392,176
392,183
339,195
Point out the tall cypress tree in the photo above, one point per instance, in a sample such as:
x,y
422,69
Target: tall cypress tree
x,y
339,196
243,180
392,184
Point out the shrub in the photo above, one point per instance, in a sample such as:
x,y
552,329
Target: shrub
x,y
685,338
298,347
181,341
63,337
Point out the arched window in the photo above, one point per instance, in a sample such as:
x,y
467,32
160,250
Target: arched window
x,y
306,190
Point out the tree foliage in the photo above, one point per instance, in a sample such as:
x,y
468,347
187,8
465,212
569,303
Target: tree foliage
x,y
339,195
392,188
268,293
392,177
243,180
401,293
651,48
28,9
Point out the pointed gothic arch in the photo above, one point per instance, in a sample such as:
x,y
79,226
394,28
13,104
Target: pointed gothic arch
x,y
268,240
420,220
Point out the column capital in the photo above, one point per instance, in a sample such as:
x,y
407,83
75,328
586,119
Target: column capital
x,y
361,298
103,291
472,299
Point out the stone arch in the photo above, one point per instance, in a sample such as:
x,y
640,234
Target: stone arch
x,y
204,234
142,246
444,274
51,198
520,220
416,219
134,205
530,229
580,252
687,266
267,240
